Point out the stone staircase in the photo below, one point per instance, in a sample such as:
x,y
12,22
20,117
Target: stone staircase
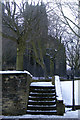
x,y
42,100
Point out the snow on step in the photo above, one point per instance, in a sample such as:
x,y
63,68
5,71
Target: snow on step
x,y
41,101
42,105
42,93
53,112
41,84
41,97
41,111
37,112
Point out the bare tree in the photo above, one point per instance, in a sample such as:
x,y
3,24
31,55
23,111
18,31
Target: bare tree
x,y
68,14
27,24
74,25
21,24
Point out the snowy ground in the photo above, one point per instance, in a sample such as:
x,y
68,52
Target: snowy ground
x,y
67,92
67,97
69,114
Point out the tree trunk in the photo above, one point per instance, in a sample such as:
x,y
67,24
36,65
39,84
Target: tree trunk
x,y
51,67
45,72
19,59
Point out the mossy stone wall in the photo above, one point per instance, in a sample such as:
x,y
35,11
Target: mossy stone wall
x,y
15,92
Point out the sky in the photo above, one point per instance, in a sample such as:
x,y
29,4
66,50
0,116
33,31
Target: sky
x,y
51,3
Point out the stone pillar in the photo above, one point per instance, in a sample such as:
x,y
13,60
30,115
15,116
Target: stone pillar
x,y
53,80
15,92
60,107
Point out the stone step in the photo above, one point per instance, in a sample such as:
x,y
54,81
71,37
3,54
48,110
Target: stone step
x,y
42,91
42,108
42,98
41,102
42,95
42,80
33,112
42,87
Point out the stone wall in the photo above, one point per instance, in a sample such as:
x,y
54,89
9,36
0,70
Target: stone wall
x,y
15,91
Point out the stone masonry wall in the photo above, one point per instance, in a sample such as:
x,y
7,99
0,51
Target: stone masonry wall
x,y
15,91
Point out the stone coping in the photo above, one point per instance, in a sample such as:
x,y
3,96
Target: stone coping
x,y
58,88
15,72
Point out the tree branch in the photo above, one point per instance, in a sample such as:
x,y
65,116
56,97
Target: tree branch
x,y
9,37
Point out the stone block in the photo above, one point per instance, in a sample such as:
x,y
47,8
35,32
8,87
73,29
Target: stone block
x,y
60,107
15,92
